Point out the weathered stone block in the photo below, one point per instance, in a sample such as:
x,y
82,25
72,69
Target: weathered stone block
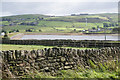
x,y
67,67
63,59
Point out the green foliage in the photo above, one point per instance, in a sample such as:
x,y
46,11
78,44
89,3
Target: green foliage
x,y
116,29
92,64
5,36
111,65
75,74
101,67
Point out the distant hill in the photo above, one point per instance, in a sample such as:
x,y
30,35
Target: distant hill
x,y
39,22
108,17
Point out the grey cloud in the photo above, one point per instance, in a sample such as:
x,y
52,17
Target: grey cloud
x,y
57,8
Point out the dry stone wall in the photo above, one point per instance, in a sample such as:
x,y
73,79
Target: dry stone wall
x,y
21,62
72,43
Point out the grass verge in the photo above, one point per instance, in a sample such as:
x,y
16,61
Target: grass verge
x,y
32,47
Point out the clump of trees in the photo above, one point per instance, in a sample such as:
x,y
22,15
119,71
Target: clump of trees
x,y
3,31
29,23
30,30
93,28
110,24
13,31
40,30
6,19
116,30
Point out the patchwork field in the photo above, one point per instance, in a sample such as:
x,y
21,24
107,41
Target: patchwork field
x,y
92,23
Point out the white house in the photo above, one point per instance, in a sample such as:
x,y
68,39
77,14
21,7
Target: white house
x,y
2,33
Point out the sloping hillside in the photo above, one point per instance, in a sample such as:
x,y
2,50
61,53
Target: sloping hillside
x,y
71,23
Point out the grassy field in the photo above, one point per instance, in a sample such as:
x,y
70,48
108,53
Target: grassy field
x,y
32,47
55,26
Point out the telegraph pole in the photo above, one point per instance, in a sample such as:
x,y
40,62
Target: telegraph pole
x,y
104,25
105,32
86,21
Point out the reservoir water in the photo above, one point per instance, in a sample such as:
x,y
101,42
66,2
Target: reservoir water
x,y
72,37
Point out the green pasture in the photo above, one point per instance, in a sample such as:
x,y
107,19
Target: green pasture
x,y
54,26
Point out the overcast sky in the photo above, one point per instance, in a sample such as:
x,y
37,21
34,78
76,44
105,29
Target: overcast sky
x,y
58,8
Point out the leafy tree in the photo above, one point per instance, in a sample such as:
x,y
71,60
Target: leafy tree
x,y
110,25
116,24
93,28
97,26
105,25
3,31
17,30
10,31
40,30
113,24
116,30
74,29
